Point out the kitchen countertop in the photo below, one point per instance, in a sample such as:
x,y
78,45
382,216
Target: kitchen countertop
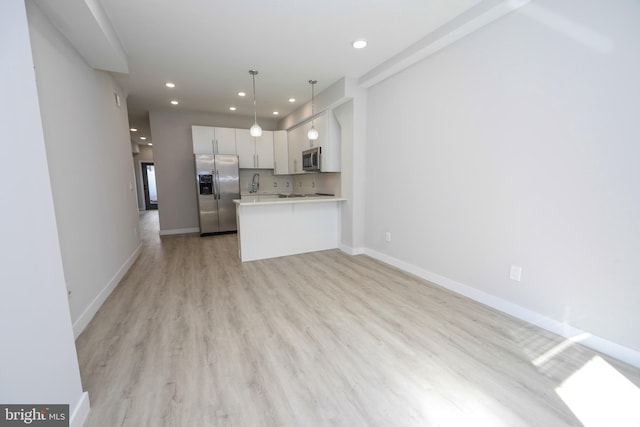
x,y
274,199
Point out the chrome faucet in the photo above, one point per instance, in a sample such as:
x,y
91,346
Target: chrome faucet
x,y
255,183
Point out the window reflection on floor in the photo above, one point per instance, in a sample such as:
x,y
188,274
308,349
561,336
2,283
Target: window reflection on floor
x,y
597,392
599,395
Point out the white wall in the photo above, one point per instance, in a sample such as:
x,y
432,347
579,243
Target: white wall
x,y
352,118
173,159
38,362
89,155
519,145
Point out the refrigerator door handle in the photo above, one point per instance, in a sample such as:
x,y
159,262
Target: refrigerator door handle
x,y
218,184
214,182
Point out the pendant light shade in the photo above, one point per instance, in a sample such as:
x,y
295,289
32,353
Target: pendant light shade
x,y
313,132
255,130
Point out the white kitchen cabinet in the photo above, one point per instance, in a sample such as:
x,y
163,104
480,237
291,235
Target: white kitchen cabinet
x,y
329,139
280,153
264,150
297,140
225,141
254,153
246,148
213,140
202,137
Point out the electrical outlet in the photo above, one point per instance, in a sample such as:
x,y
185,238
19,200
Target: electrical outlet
x,y
515,273
387,236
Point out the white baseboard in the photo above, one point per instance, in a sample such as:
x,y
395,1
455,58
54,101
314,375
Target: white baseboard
x,y
83,320
625,354
179,231
350,250
79,416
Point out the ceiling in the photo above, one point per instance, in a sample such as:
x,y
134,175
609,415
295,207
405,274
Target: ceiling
x,y
207,47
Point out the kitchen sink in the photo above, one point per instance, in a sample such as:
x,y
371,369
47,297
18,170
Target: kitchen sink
x,y
293,195
285,196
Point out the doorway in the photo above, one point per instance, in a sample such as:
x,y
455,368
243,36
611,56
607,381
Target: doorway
x,y
149,183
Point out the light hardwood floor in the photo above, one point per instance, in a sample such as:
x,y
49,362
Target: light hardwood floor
x,y
193,337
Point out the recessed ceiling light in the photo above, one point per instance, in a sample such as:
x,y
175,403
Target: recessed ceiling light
x,y
133,130
149,143
174,102
232,108
143,138
275,113
242,94
169,84
292,100
359,44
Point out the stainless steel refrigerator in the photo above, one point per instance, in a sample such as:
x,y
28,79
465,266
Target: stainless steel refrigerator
x,y
218,184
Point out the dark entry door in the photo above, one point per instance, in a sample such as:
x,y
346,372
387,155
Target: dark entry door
x,y
149,182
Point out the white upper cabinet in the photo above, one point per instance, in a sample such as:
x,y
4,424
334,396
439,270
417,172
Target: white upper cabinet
x,y
212,140
297,139
225,141
246,147
280,153
254,153
202,137
264,150
329,139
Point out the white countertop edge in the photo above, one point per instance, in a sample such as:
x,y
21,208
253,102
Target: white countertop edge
x,y
272,201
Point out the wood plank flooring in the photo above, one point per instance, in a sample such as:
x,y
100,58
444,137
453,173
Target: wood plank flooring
x,y
193,337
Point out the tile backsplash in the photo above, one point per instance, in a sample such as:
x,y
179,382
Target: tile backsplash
x,y
307,183
269,183
317,183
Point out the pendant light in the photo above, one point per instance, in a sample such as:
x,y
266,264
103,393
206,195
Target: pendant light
x,y
313,132
255,130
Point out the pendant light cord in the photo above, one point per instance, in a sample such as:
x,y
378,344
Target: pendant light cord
x,y
255,114
313,100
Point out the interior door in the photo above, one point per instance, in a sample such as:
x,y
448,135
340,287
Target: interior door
x,y
149,183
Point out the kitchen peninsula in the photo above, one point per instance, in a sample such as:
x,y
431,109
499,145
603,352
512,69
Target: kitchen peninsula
x,y
273,226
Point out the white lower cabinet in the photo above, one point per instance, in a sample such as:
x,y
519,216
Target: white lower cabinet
x,y
280,228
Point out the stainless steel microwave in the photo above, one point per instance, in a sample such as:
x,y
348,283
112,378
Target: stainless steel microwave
x,y
311,159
